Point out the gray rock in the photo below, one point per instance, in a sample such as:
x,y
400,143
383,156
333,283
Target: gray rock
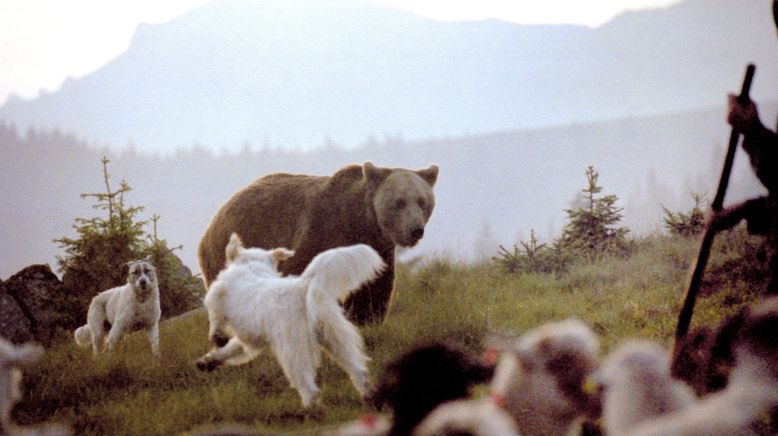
x,y
43,299
14,324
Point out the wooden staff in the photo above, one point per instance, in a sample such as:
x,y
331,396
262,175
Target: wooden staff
x,y
685,316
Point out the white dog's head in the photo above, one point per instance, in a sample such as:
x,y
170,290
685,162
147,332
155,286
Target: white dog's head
x,y
236,253
142,277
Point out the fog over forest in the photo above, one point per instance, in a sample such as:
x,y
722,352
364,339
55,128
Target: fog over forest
x,y
492,189
201,106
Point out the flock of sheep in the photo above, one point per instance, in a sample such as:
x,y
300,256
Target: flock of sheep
x,y
551,381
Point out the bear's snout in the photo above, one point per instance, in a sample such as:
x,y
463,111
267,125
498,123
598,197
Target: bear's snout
x,y
417,233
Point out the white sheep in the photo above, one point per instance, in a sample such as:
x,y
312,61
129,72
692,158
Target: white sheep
x,y
637,386
477,417
540,378
367,425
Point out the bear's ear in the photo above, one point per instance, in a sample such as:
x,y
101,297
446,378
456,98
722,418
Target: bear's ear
x,y
231,252
430,175
281,254
373,174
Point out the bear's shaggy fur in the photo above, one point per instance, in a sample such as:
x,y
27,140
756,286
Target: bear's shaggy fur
x,y
380,207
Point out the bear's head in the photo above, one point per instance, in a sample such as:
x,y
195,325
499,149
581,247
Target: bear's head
x,y
402,200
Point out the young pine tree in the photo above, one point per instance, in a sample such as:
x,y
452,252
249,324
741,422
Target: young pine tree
x,y
531,257
592,229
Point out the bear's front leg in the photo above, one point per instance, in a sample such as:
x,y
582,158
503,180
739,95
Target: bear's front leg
x,y
370,304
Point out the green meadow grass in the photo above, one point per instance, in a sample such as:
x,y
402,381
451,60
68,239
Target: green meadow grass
x,y
129,392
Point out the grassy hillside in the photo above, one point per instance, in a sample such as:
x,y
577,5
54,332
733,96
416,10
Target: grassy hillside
x,y
130,392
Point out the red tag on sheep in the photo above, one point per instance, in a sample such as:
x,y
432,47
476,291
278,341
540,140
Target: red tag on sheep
x,y
498,399
490,356
368,421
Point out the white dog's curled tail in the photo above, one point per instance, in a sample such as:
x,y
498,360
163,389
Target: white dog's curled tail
x,y
83,336
336,273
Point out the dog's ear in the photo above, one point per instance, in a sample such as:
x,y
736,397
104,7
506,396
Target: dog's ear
x,y
281,254
233,248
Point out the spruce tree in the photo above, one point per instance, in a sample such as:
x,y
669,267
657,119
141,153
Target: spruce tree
x,y
592,228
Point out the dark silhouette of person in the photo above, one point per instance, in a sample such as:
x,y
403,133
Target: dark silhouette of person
x,y
761,144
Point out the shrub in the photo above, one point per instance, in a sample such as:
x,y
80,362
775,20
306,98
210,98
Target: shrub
x,y
530,257
179,291
686,224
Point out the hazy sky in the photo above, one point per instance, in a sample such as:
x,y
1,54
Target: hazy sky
x,y
42,42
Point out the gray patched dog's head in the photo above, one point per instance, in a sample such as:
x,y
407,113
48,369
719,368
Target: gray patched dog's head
x,y
142,276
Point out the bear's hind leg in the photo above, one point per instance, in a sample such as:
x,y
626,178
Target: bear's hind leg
x,y
370,304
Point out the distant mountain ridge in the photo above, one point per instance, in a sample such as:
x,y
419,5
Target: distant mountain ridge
x,y
237,71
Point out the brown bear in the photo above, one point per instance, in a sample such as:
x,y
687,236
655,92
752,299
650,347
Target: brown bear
x,y
381,207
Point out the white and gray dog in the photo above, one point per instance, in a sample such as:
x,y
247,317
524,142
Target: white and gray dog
x,y
124,309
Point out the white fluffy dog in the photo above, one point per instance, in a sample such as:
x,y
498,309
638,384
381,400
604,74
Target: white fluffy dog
x,y
297,314
124,309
